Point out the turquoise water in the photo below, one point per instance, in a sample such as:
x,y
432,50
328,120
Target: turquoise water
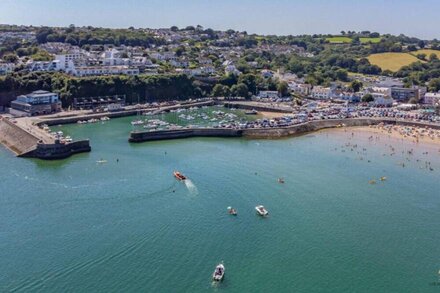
x,y
129,226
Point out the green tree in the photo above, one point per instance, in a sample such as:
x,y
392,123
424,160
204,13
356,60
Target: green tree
x,y
250,80
367,98
413,100
10,58
240,90
179,51
421,56
283,88
342,74
433,57
356,85
220,90
434,85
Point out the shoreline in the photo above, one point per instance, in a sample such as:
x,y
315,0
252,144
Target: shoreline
x,y
400,132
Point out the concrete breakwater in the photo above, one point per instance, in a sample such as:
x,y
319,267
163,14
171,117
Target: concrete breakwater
x,y
275,132
183,133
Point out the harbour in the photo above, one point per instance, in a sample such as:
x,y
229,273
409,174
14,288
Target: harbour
x,y
235,122
327,224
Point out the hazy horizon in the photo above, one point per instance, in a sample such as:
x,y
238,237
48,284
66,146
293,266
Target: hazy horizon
x,y
278,17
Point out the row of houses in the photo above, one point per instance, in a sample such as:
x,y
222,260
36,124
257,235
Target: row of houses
x,y
383,96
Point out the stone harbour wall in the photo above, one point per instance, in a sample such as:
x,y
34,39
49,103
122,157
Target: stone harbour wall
x,y
15,138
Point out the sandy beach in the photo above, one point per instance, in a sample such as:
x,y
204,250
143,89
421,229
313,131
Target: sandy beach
x,y
270,115
405,134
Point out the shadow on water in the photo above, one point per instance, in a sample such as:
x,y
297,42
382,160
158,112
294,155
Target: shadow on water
x,y
58,164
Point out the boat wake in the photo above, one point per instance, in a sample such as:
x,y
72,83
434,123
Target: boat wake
x,y
191,187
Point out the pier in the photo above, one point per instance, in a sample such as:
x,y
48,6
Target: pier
x,y
275,132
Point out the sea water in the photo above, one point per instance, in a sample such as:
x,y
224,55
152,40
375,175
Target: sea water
x,y
128,225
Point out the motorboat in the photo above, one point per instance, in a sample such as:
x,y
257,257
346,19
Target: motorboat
x,y
137,122
101,161
281,180
261,210
219,273
232,211
68,139
179,176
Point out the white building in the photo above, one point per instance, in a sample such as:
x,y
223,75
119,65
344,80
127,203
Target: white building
x,y
54,65
105,70
382,100
432,98
6,68
232,69
267,73
205,61
302,89
66,62
268,94
179,63
321,93
207,70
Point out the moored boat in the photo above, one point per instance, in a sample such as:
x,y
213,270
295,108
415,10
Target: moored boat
x,y
252,112
137,122
261,210
219,273
179,176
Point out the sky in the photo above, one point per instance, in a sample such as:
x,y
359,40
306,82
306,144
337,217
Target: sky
x,y
281,17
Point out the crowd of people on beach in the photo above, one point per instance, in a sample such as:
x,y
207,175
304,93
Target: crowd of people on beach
x,y
416,133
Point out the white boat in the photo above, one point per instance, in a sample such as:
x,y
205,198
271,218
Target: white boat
x,y
68,139
261,210
137,122
219,273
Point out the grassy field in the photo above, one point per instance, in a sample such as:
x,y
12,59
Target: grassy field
x,y
427,52
392,61
339,40
347,40
368,40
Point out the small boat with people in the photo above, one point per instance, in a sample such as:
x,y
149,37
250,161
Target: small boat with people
x,y
179,176
219,273
232,211
281,180
261,210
